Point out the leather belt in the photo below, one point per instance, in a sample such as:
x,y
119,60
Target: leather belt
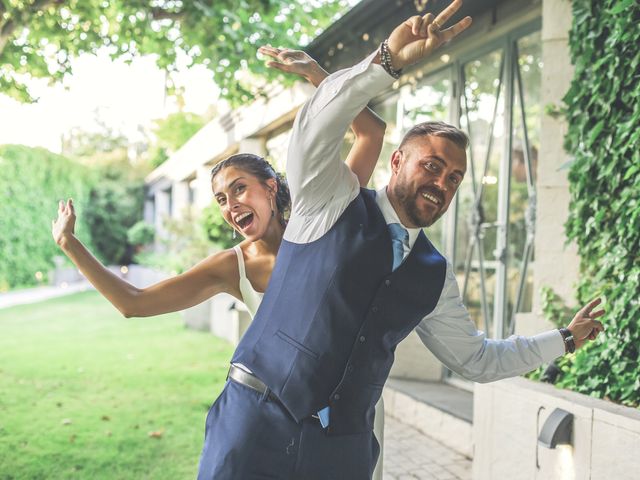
x,y
247,379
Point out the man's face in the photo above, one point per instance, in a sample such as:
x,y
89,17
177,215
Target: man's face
x,y
426,174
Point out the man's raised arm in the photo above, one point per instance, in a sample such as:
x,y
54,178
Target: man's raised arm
x,y
315,171
316,175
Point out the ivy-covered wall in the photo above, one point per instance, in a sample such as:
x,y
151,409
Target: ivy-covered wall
x,y
603,115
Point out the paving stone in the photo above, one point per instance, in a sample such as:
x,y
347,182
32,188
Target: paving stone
x,y
411,455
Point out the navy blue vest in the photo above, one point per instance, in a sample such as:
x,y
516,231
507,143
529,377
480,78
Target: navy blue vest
x,y
333,313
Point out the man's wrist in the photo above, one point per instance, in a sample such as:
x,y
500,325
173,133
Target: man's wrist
x,y
387,61
569,341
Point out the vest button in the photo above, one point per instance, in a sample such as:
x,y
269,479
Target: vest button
x,y
362,338
350,368
387,282
374,309
336,396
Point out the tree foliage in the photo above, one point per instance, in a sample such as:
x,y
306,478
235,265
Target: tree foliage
x,y
185,244
218,231
141,233
113,207
603,113
41,37
116,197
171,133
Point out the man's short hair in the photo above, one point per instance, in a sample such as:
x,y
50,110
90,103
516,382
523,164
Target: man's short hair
x,y
437,129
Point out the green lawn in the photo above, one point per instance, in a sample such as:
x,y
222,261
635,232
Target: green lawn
x,y
86,393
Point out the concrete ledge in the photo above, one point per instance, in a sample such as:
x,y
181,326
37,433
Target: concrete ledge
x,y
440,411
508,416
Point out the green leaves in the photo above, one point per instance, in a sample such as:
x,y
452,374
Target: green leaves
x,y
32,181
621,6
604,219
40,38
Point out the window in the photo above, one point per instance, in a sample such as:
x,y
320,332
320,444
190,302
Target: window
x,y
493,93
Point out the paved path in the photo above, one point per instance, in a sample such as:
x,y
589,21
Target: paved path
x,y
411,455
37,294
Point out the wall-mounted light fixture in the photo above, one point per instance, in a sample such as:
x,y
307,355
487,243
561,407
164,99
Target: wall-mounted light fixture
x,y
557,429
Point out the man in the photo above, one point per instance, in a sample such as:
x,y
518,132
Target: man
x,y
354,276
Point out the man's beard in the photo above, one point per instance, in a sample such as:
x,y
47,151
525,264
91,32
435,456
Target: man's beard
x,y
408,201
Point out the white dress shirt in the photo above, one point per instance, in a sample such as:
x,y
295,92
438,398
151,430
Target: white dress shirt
x,y
322,186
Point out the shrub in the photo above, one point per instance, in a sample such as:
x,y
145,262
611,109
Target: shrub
x,y
603,114
217,229
141,233
185,244
112,208
32,181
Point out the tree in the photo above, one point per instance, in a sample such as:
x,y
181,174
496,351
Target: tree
x,y
39,38
172,132
116,197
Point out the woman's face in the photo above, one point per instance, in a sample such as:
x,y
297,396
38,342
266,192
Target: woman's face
x,y
245,201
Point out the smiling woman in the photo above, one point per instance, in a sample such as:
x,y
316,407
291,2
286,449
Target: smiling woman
x,y
254,201
243,179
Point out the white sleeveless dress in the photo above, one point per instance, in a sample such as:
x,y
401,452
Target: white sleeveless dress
x,y
251,298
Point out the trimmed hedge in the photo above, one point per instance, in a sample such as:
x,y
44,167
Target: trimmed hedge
x,y
603,114
32,180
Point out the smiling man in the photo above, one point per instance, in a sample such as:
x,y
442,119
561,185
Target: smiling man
x,y
355,274
427,169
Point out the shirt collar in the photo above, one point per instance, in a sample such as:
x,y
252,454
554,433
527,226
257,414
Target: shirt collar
x,y
390,215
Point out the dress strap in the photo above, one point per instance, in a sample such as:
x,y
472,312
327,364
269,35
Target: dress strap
x,y
238,251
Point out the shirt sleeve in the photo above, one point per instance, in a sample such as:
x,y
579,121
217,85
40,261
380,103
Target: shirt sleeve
x,y
321,184
453,338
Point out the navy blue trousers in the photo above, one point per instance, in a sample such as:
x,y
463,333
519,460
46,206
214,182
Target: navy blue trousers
x,y
248,437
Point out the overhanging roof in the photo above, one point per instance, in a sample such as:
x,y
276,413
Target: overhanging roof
x,y
362,28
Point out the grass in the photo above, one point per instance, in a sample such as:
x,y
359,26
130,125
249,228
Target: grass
x,y
88,394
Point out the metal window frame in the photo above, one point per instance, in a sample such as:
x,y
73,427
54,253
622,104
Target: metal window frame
x,y
510,85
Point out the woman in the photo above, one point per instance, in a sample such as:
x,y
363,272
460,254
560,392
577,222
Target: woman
x,y
254,201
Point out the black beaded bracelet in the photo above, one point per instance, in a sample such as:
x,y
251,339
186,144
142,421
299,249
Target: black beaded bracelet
x,y
385,60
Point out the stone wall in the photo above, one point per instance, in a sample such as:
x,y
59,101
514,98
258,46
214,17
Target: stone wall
x,y
509,415
556,265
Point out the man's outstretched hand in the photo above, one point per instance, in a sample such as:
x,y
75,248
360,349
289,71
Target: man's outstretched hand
x,y
418,37
584,325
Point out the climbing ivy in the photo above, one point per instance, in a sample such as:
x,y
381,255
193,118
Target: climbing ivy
x,y
603,115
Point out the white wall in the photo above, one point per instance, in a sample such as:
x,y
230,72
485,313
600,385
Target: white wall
x,y
509,414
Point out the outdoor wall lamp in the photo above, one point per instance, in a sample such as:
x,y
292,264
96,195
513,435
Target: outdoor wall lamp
x,y
557,429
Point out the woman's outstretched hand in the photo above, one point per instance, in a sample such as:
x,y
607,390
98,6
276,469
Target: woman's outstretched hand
x,y
296,62
64,225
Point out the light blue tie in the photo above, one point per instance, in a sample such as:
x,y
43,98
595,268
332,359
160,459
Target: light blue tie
x,y
399,239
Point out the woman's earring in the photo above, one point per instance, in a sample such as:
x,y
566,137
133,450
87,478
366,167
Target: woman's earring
x,y
273,213
234,234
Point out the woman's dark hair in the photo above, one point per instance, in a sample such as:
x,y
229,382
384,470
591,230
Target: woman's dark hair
x,y
261,169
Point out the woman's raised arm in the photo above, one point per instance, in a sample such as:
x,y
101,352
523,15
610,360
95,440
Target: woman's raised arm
x,y
212,275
